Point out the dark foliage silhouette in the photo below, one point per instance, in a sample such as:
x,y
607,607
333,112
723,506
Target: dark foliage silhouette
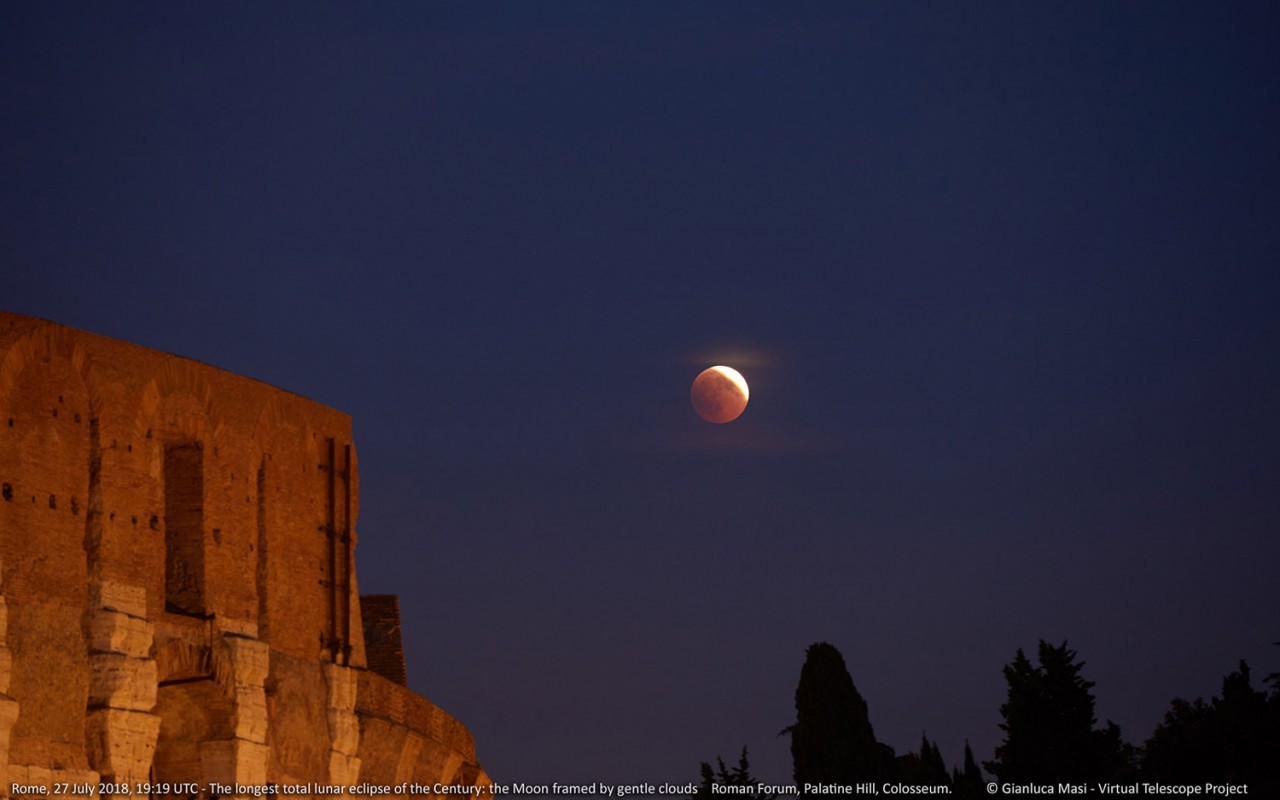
x,y
1234,738
1051,735
1049,724
924,768
740,775
969,782
832,740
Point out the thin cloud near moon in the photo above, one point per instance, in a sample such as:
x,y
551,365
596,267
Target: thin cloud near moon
x,y
741,357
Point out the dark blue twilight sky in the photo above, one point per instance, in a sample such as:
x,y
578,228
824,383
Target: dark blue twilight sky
x,y
1003,279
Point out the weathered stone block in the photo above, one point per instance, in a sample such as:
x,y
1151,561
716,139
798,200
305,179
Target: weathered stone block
x,y
76,777
8,715
38,776
236,627
344,732
120,681
250,719
448,767
232,761
121,743
6,669
342,683
250,659
113,596
117,632
344,770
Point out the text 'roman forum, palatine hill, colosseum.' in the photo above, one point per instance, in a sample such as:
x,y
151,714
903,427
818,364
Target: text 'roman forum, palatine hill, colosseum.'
x,y
178,600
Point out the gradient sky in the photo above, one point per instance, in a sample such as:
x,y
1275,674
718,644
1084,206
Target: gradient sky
x,y
1004,280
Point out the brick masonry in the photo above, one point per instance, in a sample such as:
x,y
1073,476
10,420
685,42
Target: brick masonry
x,y
380,615
178,594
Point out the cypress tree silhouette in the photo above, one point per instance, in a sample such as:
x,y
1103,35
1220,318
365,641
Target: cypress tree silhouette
x,y
935,771
1048,724
832,740
925,768
969,784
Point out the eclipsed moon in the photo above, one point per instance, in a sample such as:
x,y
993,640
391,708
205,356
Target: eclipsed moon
x,y
719,394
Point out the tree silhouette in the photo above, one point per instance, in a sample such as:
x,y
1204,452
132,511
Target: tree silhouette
x,y
969,783
1234,738
740,775
924,768
1273,680
1049,724
832,740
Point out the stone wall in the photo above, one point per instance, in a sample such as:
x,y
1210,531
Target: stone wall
x,y
178,594
380,615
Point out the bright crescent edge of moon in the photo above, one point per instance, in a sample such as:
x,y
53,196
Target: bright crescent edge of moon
x,y
735,376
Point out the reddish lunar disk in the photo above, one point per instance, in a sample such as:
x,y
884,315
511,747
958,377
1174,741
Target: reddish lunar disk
x,y
719,394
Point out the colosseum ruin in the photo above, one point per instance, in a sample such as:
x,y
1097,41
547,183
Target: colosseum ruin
x,y
178,593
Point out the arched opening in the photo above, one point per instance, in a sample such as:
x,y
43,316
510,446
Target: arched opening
x,y
184,573
194,714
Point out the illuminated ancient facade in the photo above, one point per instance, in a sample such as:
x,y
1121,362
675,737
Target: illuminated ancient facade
x,y
178,598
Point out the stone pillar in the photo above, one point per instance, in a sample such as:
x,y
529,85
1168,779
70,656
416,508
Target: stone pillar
x,y
120,730
408,758
344,725
453,769
243,758
8,706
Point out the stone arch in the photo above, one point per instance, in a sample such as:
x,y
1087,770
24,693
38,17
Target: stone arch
x,y
177,420
177,377
192,705
193,716
281,412
212,709
42,345
180,661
